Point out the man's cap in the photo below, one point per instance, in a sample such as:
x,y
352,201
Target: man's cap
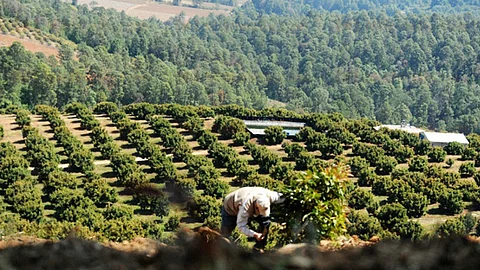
x,y
263,203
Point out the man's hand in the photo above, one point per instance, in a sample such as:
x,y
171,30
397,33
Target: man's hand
x,y
258,236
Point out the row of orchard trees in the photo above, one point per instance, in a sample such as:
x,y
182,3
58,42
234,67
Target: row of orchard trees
x,y
330,135
84,201
373,161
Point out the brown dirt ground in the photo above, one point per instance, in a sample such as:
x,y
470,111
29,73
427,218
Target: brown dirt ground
x,y
30,45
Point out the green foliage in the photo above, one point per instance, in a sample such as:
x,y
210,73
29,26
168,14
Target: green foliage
x,y
118,211
451,202
450,227
450,162
360,198
274,135
257,180
409,230
23,118
152,198
415,203
293,150
206,139
240,138
203,207
467,169
454,148
364,226
187,187
314,207
357,164
100,192
57,180
25,200
385,165
172,224
437,154
469,153
2,132
366,178
391,214
70,205
418,164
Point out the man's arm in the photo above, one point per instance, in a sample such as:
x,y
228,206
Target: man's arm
x,y
242,220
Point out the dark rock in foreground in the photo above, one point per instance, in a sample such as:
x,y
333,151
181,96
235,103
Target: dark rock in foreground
x,y
203,252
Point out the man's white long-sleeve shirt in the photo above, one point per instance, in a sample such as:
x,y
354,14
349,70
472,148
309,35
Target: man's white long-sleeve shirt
x,y
241,203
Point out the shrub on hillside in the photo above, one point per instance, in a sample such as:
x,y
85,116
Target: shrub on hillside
x,y
150,197
360,198
100,192
437,154
391,214
418,164
451,202
454,148
274,135
467,169
409,230
206,139
172,223
364,226
415,203
469,153
314,206
118,211
59,179
240,138
105,108
203,207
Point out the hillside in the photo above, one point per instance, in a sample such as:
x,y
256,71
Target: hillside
x,y
162,11
416,61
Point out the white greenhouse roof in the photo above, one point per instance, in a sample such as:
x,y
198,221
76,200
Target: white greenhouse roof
x,y
269,123
445,137
407,128
261,131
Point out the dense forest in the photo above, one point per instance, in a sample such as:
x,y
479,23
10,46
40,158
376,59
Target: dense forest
x,y
382,60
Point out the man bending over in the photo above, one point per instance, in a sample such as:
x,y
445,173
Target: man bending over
x,y
245,203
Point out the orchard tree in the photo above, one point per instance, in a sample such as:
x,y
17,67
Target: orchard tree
x,y
415,203
315,203
385,165
437,154
100,192
391,214
150,197
203,207
274,135
240,138
454,148
451,202
467,169
469,153
206,139
357,164
360,198
418,164
363,225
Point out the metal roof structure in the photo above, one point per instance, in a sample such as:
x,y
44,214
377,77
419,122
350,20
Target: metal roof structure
x,y
444,137
407,128
269,123
257,127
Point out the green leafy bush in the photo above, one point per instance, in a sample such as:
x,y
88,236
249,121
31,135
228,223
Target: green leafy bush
x,y
274,135
363,225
